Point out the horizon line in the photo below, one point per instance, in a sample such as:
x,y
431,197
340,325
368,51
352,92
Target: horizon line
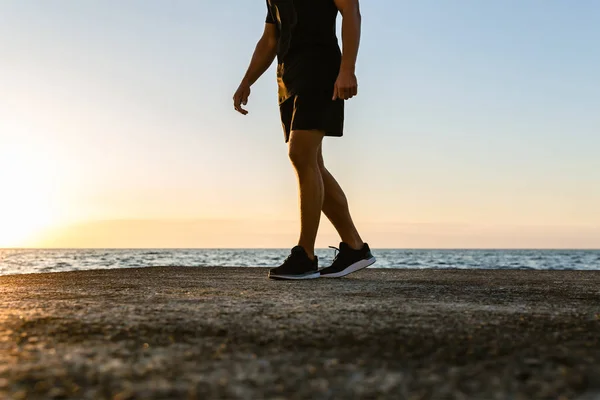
x,y
317,248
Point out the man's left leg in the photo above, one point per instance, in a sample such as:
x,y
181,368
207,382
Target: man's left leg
x,y
303,152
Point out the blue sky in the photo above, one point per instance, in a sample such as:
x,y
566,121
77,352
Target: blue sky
x,y
479,114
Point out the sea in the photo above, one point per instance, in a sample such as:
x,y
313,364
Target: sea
x,y
26,261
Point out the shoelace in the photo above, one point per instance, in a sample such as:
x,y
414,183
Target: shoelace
x,y
289,257
336,254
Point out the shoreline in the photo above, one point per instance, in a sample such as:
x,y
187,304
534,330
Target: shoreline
x,y
39,261
214,332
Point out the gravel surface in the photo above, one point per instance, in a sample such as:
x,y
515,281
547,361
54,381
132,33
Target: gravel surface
x,y
176,332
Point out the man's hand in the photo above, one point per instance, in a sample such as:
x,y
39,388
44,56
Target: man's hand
x,y
241,97
346,85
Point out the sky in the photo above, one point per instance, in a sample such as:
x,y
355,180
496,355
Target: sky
x,y
477,125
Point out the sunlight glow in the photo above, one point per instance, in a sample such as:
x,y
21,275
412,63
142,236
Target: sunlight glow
x,y
27,195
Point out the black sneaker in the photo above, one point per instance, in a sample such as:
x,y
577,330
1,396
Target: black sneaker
x,y
348,260
296,266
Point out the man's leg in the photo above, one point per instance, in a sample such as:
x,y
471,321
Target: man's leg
x,y
335,207
354,254
304,147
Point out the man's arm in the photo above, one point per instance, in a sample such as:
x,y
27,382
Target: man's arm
x,y
263,57
346,85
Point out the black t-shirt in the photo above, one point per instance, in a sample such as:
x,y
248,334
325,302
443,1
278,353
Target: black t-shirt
x,y
308,53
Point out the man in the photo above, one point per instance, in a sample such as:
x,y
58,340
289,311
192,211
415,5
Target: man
x,y
314,79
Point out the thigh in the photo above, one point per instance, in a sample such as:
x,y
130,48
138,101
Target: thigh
x,y
306,141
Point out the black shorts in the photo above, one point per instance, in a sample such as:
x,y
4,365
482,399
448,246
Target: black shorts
x,y
312,112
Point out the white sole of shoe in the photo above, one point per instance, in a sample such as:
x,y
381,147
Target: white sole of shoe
x,y
357,266
296,277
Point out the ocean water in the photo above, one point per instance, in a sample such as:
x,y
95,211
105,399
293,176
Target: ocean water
x,y
23,261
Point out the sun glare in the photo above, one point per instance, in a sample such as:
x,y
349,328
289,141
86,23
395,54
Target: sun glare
x,y
26,197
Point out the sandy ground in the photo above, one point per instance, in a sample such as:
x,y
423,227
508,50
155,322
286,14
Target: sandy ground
x,y
157,333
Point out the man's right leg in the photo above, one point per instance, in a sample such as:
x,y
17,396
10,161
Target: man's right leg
x,y
353,254
335,207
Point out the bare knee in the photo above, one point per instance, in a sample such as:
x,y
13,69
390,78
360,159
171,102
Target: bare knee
x,y
299,156
303,148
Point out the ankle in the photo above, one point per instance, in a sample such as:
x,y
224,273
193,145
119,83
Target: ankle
x,y
355,244
309,252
